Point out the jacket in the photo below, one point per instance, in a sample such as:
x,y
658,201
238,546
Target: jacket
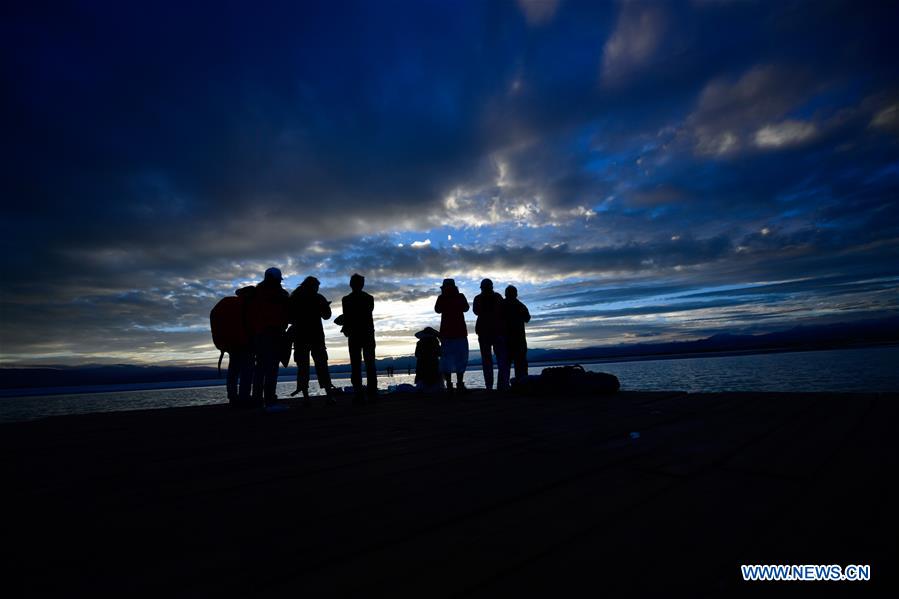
x,y
516,315
491,321
357,319
268,309
306,313
452,308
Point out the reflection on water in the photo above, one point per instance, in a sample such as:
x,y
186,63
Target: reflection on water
x,y
859,370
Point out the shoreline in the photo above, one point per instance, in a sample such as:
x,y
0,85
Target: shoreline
x,y
24,392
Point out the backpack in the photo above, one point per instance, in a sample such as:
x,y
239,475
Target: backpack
x,y
229,327
567,379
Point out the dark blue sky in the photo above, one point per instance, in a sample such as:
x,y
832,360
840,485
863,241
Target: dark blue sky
x,y
641,171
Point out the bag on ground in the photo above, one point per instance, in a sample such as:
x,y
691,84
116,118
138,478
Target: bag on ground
x,y
568,380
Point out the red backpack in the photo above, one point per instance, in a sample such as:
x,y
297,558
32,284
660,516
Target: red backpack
x,y
228,322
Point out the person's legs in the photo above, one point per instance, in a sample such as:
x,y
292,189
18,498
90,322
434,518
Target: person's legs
x,y
444,366
521,363
514,362
462,362
486,347
246,376
502,363
320,356
368,350
355,363
269,391
234,366
301,355
513,356
265,373
258,367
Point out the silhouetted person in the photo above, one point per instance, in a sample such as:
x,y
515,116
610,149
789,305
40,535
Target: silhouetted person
x,y
491,330
268,316
359,327
452,306
516,316
307,310
240,359
427,361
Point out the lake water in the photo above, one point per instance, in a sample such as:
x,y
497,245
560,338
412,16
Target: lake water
x,y
847,370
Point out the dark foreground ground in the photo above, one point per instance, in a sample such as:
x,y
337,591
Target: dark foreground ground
x,y
638,493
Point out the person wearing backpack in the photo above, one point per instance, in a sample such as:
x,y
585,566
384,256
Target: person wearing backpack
x,y
231,334
307,310
268,318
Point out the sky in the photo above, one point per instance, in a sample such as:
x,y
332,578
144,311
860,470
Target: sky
x,y
641,171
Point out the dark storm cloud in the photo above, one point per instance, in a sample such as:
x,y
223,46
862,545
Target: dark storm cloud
x,y
550,261
157,156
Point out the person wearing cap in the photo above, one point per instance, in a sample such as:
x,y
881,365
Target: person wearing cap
x,y
359,327
427,361
516,345
452,305
268,318
491,330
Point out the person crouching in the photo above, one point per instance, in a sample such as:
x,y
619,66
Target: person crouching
x,y
427,361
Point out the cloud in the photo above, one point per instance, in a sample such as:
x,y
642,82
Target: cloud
x,y
538,12
786,133
633,42
887,118
716,143
326,138
730,111
628,282
558,261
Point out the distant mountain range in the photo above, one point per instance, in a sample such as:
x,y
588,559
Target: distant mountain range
x,y
810,337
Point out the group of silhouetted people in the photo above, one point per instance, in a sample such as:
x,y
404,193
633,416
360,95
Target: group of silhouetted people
x,y
276,321
499,327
